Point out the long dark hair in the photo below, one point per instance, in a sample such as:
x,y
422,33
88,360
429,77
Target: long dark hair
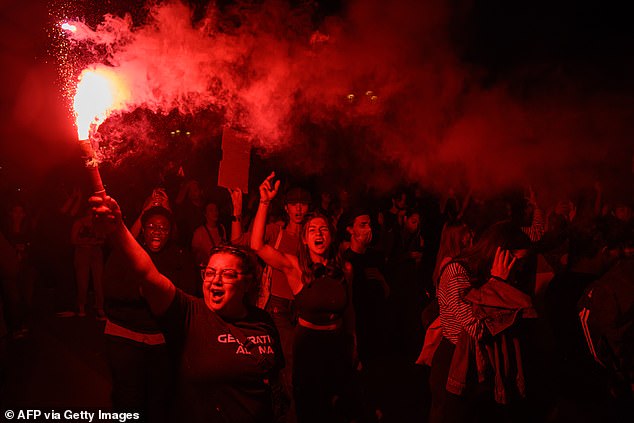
x,y
310,270
451,239
478,259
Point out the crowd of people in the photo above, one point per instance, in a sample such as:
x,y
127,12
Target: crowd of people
x,y
304,305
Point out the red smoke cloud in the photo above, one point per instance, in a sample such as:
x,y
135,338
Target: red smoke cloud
x,y
270,69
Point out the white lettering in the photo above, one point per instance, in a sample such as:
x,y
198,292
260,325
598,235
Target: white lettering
x,y
260,339
83,415
29,414
242,350
121,417
226,338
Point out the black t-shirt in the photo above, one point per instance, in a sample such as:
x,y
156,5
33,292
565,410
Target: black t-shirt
x,y
370,303
125,306
220,379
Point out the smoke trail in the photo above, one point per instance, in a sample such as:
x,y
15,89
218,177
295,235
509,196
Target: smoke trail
x,y
377,90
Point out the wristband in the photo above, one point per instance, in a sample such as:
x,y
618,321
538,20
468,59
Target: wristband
x,y
236,218
265,202
497,278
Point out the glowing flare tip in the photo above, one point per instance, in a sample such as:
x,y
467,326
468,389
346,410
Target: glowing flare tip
x,y
69,27
99,92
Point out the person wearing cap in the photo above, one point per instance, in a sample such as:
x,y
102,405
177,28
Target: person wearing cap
x,y
140,360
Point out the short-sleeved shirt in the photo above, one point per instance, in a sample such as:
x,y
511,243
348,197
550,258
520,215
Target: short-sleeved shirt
x,y
221,379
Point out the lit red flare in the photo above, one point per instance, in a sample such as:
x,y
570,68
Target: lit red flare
x,y
100,92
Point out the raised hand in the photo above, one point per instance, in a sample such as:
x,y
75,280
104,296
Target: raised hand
x,y
503,264
106,212
268,189
157,198
236,201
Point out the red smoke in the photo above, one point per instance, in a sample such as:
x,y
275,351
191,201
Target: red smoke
x,y
269,69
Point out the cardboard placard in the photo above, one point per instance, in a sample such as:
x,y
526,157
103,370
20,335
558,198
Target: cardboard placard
x,y
236,159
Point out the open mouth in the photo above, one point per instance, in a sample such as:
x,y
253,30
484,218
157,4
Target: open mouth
x,y
319,242
217,295
155,242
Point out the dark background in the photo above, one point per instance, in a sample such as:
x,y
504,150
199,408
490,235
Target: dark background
x,y
523,43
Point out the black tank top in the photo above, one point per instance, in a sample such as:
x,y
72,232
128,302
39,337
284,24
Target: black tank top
x,y
323,301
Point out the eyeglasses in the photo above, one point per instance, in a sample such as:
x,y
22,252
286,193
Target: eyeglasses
x,y
157,228
225,275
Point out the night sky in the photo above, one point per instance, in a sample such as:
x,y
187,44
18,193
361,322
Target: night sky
x,y
496,53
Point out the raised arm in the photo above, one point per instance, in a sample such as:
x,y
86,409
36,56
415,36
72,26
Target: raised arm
x,y
157,290
270,255
456,313
236,218
157,198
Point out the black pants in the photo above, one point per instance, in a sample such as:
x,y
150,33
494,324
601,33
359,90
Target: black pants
x,y
476,404
283,314
447,407
324,382
142,377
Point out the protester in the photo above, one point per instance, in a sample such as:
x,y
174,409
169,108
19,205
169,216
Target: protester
x,y
18,231
208,236
474,337
188,211
88,262
229,350
370,292
324,339
141,363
